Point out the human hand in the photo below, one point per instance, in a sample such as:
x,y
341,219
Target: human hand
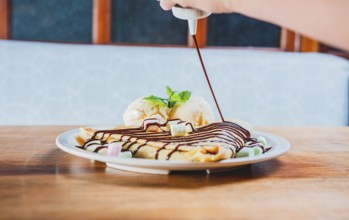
x,y
215,6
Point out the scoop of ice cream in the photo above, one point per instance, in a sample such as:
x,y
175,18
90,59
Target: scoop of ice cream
x,y
142,109
196,110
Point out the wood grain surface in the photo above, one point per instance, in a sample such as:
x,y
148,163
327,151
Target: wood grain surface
x,y
39,181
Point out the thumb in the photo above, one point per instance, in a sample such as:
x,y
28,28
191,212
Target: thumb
x,y
166,4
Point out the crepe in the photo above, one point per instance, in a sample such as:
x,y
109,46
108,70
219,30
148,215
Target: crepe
x,y
210,143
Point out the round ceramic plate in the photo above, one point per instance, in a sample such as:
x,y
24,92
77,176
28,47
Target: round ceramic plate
x,y
66,142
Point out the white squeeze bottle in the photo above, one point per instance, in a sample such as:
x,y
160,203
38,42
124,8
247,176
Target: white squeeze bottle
x,y
191,15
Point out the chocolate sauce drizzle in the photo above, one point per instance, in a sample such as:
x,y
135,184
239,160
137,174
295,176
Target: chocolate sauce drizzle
x,y
207,78
226,134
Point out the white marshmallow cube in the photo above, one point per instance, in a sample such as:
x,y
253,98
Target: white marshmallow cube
x,y
178,130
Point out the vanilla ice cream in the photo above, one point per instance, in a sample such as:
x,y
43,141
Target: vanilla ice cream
x,y
142,109
196,110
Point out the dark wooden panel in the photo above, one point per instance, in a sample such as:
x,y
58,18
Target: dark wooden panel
x,y
201,34
309,45
287,40
4,19
101,21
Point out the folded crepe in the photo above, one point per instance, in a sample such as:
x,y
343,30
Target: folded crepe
x,y
210,143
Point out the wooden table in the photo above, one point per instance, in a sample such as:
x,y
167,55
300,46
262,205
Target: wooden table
x,y
39,181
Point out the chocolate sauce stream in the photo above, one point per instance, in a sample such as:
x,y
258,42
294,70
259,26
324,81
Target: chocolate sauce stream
x,y
207,79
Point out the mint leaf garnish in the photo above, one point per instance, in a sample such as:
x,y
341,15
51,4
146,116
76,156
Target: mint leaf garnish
x,y
171,104
185,96
179,97
156,100
173,98
169,91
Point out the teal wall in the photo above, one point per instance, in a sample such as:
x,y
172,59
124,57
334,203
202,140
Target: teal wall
x,y
51,20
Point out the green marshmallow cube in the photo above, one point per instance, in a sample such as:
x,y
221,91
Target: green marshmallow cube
x,y
245,152
126,154
257,151
263,141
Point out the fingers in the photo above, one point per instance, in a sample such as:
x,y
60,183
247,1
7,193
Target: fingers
x,y
216,6
166,4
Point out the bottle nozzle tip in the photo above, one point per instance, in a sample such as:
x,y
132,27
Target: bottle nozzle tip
x,y
192,26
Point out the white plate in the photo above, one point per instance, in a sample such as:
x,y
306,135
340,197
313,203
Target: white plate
x,y
66,142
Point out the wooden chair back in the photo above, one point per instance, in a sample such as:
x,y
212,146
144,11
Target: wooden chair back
x,y
101,33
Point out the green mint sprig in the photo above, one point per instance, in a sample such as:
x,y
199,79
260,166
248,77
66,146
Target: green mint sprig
x,y
173,98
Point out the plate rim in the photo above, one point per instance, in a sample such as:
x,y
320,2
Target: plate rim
x,y
175,165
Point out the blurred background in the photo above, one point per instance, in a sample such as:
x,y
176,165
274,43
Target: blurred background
x,y
83,61
71,21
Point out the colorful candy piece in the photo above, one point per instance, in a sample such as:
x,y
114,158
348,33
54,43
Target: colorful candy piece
x,y
178,130
172,122
263,141
245,152
114,149
127,154
257,150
